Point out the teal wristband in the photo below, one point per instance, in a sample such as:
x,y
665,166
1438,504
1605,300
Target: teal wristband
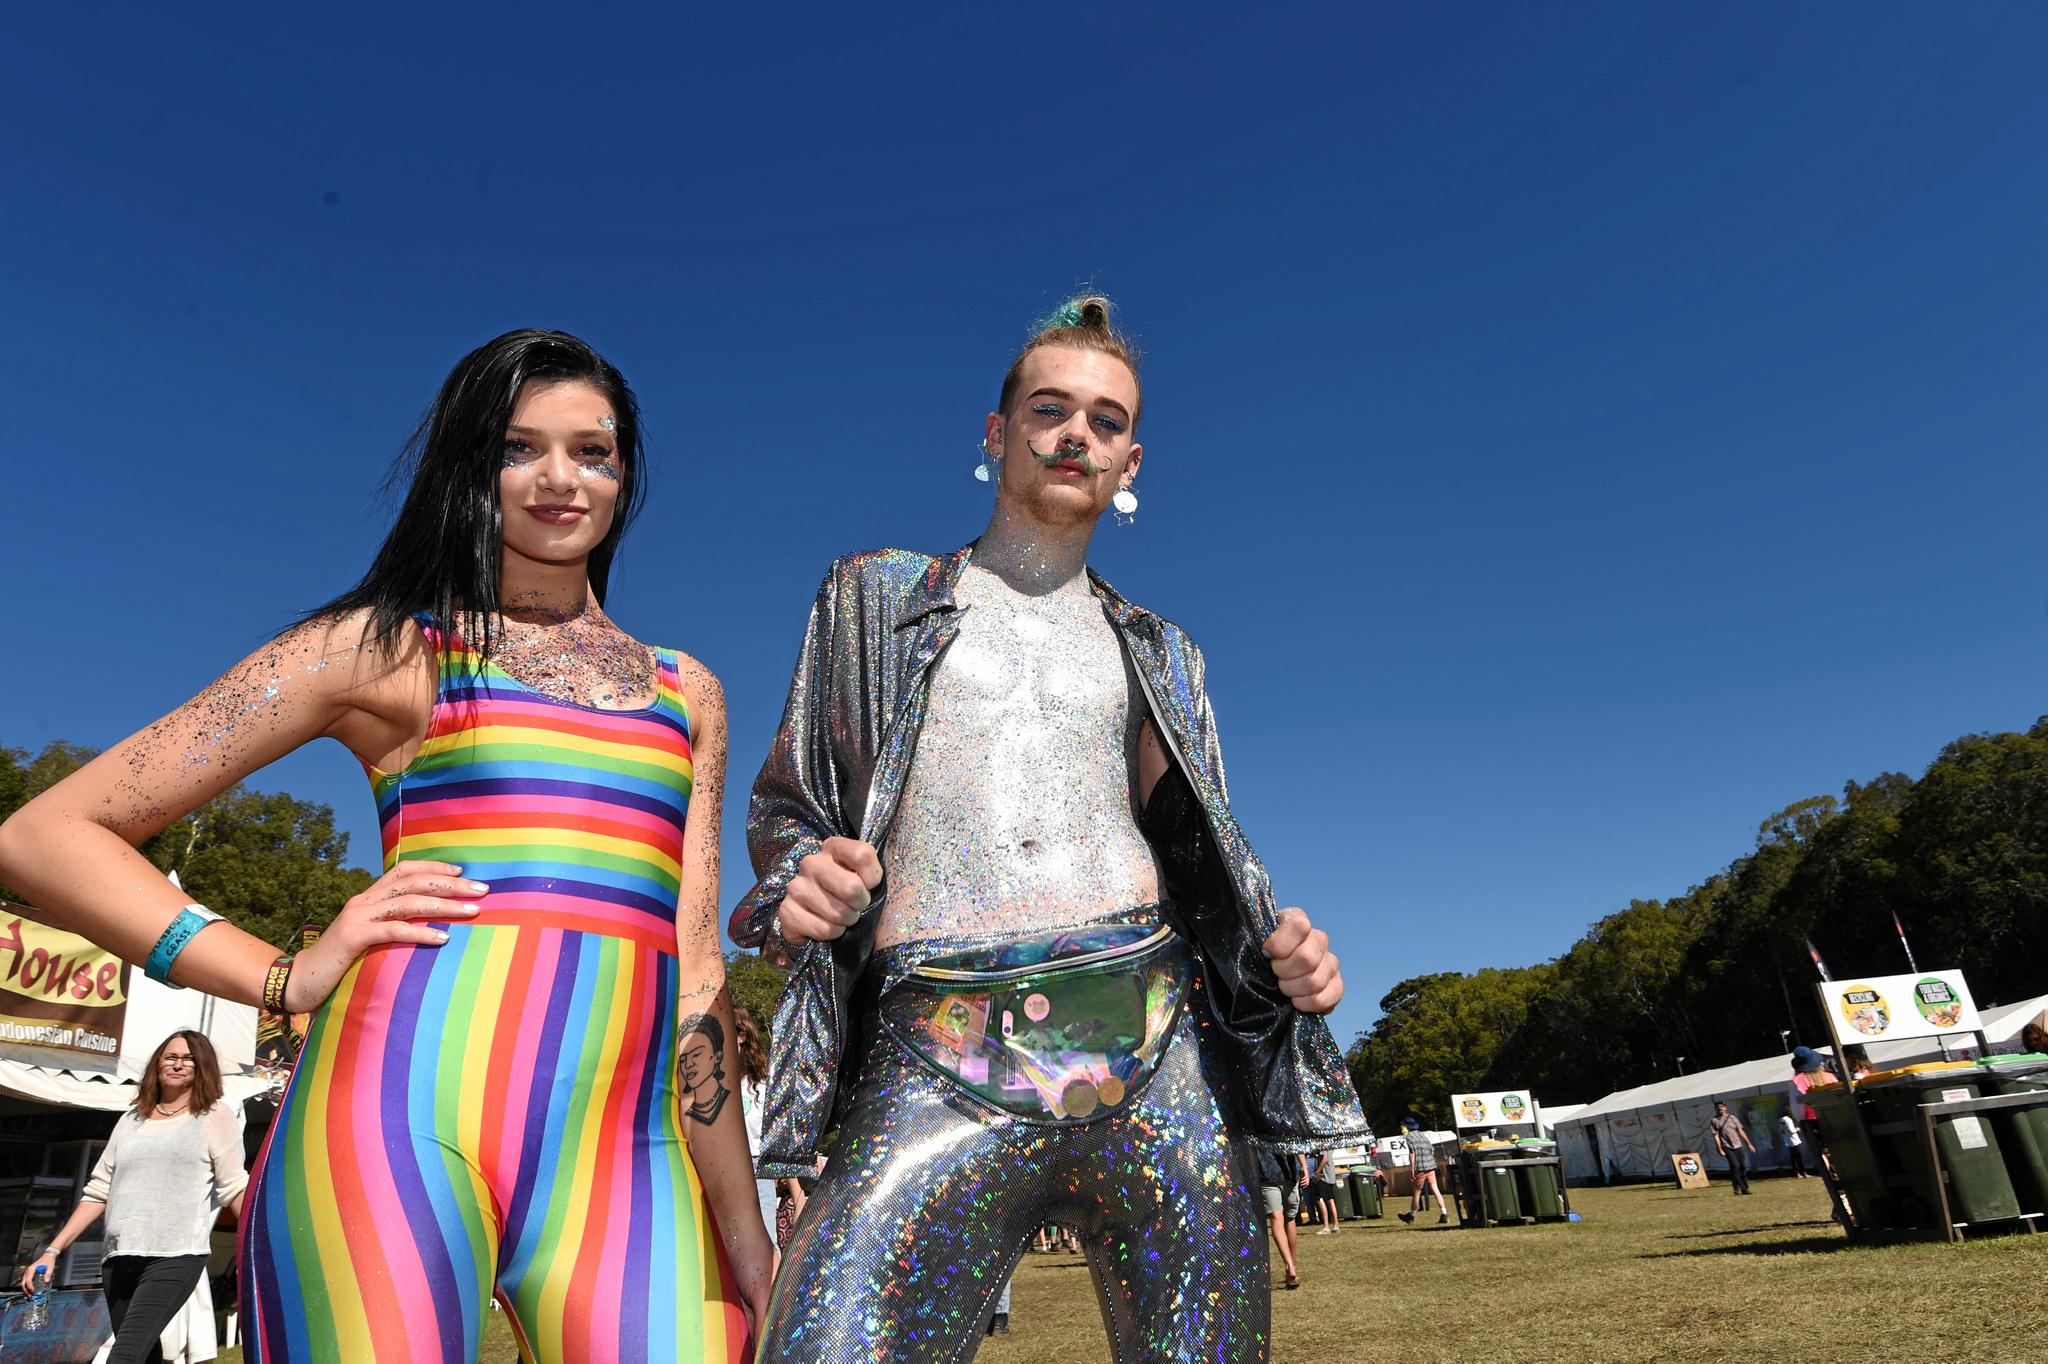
x,y
177,936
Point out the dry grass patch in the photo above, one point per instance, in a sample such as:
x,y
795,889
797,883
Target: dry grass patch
x,y
1653,1273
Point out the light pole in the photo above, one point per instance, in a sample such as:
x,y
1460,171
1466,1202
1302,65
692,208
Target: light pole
x,y
1785,1039
1681,1065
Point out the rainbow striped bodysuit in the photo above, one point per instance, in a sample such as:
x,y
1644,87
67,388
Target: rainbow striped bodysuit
x,y
499,1115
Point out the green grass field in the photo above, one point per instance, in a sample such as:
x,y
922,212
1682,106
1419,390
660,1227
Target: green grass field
x,y
1652,1273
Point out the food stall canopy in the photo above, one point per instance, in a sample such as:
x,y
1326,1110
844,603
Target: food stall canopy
x,y
155,1011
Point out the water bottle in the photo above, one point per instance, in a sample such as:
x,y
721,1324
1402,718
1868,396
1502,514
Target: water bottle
x,y
37,1315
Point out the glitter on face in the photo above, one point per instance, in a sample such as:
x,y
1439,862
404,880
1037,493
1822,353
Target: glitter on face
x,y
591,461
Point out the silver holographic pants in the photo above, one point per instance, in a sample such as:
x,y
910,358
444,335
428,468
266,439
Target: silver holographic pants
x,y
930,1196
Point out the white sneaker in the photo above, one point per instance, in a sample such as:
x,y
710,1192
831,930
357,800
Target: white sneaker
x,y
1322,1231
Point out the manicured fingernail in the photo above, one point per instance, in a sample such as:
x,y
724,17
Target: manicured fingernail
x,y
440,936
865,900
478,887
453,868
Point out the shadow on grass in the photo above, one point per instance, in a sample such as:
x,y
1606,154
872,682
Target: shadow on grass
x,y
1803,1245
1748,1231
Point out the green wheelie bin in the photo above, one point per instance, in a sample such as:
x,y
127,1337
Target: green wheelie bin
x,y
1536,1185
2022,1133
1979,1189
1365,1194
1855,1164
1347,1204
1503,1199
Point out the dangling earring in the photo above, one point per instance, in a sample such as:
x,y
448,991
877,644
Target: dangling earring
x,y
982,471
1126,504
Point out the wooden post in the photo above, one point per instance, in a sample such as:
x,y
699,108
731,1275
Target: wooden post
x,y
1848,1079
1948,1221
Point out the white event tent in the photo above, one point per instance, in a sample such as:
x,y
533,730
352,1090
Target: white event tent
x,y
1637,1131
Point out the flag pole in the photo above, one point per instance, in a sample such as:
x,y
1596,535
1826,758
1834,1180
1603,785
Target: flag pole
x,y
1914,967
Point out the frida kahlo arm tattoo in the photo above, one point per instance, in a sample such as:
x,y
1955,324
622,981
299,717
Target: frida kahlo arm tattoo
x,y
700,1068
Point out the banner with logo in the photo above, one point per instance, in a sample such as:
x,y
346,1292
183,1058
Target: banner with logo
x,y
62,1000
1502,1108
1889,1008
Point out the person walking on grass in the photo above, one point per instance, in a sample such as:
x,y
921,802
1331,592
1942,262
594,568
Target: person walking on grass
x,y
173,1162
1795,1144
1280,1182
1323,1188
1422,1165
1733,1142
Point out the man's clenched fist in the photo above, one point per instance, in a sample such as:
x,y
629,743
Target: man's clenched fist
x,y
830,890
1302,959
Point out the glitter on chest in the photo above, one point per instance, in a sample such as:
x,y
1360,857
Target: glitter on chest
x,y
1017,814
583,659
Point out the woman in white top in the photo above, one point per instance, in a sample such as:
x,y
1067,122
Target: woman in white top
x,y
171,1164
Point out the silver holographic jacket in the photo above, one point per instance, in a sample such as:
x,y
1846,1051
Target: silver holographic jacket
x,y
837,768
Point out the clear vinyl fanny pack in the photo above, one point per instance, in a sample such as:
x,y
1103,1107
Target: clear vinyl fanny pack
x,y
1060,1027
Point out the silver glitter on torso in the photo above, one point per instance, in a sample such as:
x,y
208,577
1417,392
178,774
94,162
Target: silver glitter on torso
x,y
1018,813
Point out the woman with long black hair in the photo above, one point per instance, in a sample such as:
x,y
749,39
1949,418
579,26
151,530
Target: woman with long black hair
x,y
487,1098
173,1161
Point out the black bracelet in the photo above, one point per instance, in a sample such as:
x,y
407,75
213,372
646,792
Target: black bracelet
x,y
274,981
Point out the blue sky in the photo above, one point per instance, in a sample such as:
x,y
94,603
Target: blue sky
x,y
1573,432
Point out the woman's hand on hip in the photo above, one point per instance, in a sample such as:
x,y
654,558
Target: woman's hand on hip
x,y
398,907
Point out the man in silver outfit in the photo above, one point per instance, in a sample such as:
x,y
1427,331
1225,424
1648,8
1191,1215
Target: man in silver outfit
x,y
1037,973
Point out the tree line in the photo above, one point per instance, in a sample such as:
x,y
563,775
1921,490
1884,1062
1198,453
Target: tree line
x,y
1722,973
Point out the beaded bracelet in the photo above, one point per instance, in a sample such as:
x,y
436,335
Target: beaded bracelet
x,y
274,981
177,934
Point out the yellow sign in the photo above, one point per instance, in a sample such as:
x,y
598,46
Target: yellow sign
x,y
62,1000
